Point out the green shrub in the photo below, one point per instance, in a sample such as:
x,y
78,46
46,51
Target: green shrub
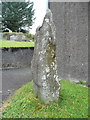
x,y
81,82
29,36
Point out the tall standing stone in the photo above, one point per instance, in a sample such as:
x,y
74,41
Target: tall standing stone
x,y
44,64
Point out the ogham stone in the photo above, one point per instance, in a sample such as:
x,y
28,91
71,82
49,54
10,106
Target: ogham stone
x,y
44,65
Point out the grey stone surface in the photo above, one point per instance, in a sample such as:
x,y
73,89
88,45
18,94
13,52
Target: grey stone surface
x,y
44,64
1,36
18,37
16,57
71,21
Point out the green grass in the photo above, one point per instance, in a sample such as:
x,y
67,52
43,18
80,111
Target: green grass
x,y
73,103
6,43
81,82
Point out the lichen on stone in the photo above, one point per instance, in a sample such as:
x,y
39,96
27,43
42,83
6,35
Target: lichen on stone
x,y
44,64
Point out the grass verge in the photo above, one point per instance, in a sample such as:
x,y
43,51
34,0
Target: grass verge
x,y
6,43
73,103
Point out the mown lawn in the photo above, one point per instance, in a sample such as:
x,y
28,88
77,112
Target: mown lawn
x,y
73,103
6,43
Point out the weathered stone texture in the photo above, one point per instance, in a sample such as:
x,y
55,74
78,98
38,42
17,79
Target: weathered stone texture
x,y
71,21
44,65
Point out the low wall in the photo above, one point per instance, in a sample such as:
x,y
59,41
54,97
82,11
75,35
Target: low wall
x,y
22,57
16,57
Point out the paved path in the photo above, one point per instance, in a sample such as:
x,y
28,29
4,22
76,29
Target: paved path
x,y
13,79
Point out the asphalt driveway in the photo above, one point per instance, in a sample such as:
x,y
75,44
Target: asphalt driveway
x,y
13,79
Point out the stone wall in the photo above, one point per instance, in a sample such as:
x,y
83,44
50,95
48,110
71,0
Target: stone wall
x,y
16,57
71,21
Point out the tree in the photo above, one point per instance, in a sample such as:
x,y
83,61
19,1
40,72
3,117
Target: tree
x,y
17,15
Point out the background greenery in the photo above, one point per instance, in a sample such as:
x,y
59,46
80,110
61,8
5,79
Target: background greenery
x,y
10,43
29,36
6,43
17,16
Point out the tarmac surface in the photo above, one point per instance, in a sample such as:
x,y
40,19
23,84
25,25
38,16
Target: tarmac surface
x,y
13,79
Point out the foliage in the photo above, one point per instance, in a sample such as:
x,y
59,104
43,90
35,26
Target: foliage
x,y
81,82
73,103
5,34
17,15
6,43
30,36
